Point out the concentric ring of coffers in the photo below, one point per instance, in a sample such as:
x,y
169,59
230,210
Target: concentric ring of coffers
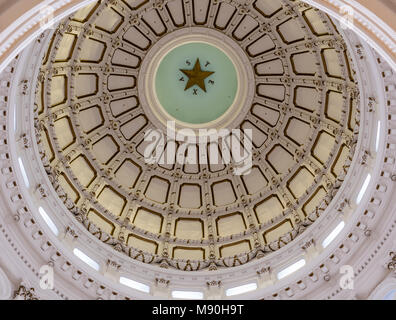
x,y
303,116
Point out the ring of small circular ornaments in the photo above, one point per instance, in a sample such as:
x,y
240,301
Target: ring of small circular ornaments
x,y
146,79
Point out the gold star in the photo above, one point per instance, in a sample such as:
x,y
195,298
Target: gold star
x,y
196,76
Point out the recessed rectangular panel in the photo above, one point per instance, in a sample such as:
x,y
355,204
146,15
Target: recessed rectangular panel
x,y
223,193
117,82
224,15
306,98
268,115
128,174
268,8
105,149
158,189
245,27
101,222
186,228
280,159
190,196
229,224
323,146
83,170
314,201
262,45
315,22
124,105
290,31
254,181
148,220
268,209
58,89
201,11
140,243
300,182
91,118
109,20
233,249
332,63
111,200
334,105
186,253
64,132
278,231
272,91
176,12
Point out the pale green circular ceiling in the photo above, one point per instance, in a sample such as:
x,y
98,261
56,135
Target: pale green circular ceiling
x,y
196,83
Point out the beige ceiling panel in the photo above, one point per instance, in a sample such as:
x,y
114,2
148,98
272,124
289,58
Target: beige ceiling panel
x,y
201,11
300,182
189,229
135,4
105,149
270,68
177,12
68,187
272,91
290,31
66,47
109,20
323,146
268,7
86,85
298,131
92,50
91,119
142,244
64,131
254,181
83,170
334,105
223,193
245,27
128,174
304,63
154,21
258,136
268,209
342,156
121,106
269,115
278,231
235,248
148,220
46,143
229,224
190,196
85,13
280,159
262,45
158,189
332,63
112,201
188,253
125,59
135,37
314,20
168,157
215,157
192,164
117,82
58,90
315,200
224,15
101,222
307,98
133,127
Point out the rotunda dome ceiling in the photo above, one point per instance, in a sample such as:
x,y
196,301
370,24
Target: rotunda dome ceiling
x,y
118,70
